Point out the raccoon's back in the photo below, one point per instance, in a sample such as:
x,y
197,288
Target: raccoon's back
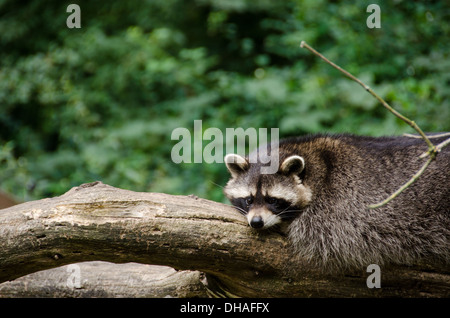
x,y
349,173
369,169
391,162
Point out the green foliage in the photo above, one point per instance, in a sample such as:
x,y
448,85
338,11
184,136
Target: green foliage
x,y
101,102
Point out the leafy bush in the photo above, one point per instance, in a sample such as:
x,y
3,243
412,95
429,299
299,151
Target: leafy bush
x,y
101,102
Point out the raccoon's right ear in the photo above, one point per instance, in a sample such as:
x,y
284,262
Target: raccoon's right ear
x,y
236,164
293,165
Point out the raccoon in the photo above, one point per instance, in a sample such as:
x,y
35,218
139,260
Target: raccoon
x,y
322,191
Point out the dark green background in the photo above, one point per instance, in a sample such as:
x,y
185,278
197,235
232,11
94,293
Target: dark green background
x,y
100,102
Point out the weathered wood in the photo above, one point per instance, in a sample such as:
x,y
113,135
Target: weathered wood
x,y
99,222
102,279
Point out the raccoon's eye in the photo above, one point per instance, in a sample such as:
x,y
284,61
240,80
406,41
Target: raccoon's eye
x,y
271,200
249,201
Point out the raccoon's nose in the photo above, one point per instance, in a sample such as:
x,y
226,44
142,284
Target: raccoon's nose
x,y
257,222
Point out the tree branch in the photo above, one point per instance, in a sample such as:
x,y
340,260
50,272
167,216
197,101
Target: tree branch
x,y
303,44
432,149
99,222
429,137
106,280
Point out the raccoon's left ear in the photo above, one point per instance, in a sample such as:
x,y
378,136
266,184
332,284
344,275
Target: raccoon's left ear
x,y
292,165
236,164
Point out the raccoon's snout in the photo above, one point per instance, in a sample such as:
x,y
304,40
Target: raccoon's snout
x,y
256,222
261,218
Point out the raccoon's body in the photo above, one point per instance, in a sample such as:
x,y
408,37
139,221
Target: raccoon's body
x,y
324,186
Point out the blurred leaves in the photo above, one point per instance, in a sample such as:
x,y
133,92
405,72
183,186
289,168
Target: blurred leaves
x,y
100,102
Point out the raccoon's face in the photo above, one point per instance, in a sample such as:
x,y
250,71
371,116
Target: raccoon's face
x,y
267,199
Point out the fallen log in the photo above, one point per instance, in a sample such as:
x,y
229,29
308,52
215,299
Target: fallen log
x,y
97,222
107,280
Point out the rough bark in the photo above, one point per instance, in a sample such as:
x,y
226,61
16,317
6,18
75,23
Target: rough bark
x,y
99,222
107,280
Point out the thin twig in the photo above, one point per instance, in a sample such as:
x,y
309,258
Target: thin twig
x,y
429,137
443,144
437,148
432,149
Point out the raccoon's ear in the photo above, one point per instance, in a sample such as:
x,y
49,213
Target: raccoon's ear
x,y
236,164
292,165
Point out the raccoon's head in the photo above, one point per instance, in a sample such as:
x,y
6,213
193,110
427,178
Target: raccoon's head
x,y
267,199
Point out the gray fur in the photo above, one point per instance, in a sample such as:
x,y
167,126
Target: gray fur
x,y
345,174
